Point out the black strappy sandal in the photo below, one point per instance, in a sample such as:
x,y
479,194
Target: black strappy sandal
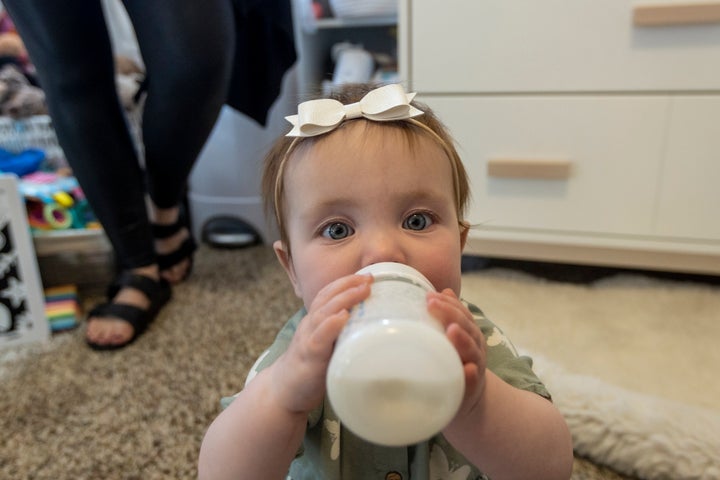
x,y
157,292
184,251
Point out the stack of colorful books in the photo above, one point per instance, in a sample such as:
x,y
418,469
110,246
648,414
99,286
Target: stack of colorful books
x,y
62,307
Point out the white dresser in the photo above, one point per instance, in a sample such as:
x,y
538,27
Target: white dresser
x,y
589,135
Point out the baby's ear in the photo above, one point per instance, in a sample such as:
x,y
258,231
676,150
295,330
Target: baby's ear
x,y
283,255
464,230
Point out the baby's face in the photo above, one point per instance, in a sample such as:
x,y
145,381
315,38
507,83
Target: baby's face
x,y
360,197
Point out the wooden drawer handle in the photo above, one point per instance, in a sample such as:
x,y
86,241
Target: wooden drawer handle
x,y
676,14
543,169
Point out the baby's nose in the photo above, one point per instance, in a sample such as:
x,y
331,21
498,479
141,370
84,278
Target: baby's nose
x,y
383,247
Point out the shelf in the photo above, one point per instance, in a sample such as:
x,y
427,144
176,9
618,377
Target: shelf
x,y
55,242
315,38
331,22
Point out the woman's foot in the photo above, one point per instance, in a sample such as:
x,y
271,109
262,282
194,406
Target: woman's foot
x,y
140,294
174,245
164,247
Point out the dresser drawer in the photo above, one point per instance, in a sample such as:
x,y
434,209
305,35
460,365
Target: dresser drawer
x,y
689,200
468,46
613,147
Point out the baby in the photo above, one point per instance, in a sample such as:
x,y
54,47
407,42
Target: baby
x,y
370,176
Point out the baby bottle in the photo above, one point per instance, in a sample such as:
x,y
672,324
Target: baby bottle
x,y
394,378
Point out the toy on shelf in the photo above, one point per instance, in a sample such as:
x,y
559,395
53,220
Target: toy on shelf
x,y
31,133
55,202
21,163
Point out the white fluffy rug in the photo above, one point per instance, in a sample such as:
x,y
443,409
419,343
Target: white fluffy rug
x,y
632,362
637,434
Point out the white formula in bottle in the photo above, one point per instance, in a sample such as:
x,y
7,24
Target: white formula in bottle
x,y
394,378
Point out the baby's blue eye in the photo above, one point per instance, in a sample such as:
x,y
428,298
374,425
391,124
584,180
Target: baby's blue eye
x,y
337,231
417,221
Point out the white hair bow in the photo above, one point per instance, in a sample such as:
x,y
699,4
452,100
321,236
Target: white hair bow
x,y
383,104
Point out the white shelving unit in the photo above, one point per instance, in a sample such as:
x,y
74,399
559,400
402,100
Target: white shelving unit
x,y
314,39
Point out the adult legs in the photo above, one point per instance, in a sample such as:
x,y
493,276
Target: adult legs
x,y
187,47
70,47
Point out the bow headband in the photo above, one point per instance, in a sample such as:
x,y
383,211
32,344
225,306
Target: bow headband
x,y
383,104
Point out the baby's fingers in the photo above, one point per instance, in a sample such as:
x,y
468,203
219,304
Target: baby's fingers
x,y
330,309
448,310
342,294
465,345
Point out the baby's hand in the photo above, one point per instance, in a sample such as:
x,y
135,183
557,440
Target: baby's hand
x,y
468,340
299,374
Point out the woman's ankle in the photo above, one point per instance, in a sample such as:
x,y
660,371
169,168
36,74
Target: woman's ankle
x,y
149,271
164,216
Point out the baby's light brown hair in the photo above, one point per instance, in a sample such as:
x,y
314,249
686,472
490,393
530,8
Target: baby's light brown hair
x,y
427,125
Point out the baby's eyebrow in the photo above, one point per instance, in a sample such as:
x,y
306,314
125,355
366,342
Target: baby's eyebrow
x,y
420,195
310,211
313,212
341,202
331,204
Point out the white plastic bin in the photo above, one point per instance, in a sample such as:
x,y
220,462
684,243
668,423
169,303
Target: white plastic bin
x,y
224,187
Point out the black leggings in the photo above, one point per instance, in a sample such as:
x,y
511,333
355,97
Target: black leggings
x,y
187,47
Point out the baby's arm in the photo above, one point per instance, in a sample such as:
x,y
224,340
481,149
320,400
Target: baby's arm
x,y
506,432
258,435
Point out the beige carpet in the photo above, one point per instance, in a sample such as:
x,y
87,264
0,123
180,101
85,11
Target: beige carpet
x,y
650,335
67,412
631,360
